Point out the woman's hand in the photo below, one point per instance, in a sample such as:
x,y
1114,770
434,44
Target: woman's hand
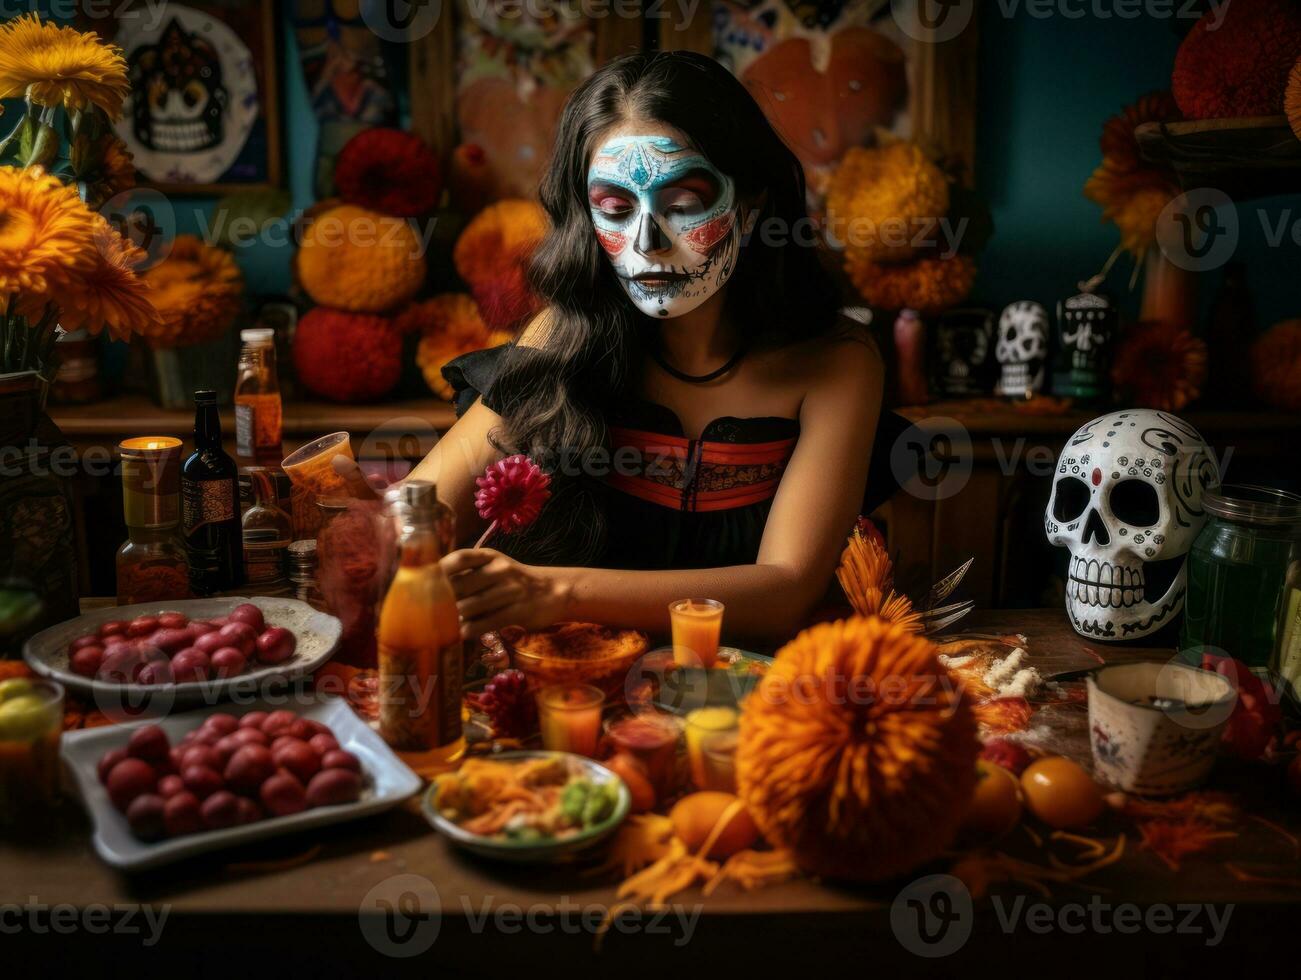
x,y
493,590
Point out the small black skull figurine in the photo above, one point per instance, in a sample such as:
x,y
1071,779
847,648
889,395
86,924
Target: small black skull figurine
x,y
963,364
1022,349
1086,330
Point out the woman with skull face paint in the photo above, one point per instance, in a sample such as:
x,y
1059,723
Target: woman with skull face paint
x,y
707,416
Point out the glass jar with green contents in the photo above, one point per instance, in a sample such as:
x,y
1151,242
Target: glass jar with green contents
x,y
1236,573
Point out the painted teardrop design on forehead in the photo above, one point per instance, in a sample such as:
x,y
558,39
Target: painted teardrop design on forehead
x,y
667,220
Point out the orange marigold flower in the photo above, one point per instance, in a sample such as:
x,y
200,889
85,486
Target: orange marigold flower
x,y
1131,192
55,65
198,289
1159,365
450,326
110,293
359,260
46,235
498,240
880,197
928,285
1276,366
857,752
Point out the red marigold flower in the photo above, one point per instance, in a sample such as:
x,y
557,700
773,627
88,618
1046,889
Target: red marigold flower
x,y
511,493
347,357
1159,365
1235,61
389,170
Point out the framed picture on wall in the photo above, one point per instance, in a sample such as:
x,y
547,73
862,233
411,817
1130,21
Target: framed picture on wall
x,y
829,73
203,116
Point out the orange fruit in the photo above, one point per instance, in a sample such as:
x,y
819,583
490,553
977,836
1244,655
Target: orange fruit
x,y
633,774
695,815
995,804
1060,793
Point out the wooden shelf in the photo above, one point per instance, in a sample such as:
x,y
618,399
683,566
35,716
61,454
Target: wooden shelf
x,y
135,415
1246,157
990,417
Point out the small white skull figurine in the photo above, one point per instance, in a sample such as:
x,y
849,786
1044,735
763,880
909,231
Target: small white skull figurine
x,y
1127,503
1022,349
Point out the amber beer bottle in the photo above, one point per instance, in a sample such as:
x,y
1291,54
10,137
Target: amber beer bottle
x,y
214,540
421,659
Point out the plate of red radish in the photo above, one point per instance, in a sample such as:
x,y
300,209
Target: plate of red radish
x,y
186,651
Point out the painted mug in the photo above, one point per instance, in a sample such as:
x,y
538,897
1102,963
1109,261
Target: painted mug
x,y
1155,727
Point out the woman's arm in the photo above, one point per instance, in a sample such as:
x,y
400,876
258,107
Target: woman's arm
x,y
461,455
815,507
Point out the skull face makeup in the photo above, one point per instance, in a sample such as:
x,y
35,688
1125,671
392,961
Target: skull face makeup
x,y
667,219
1127,503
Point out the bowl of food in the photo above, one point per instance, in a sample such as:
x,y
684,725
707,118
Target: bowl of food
x,y
527,806
577,653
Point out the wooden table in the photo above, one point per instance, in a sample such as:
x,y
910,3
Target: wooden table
x,y
227,920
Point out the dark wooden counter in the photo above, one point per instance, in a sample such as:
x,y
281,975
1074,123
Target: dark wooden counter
x,y
225,919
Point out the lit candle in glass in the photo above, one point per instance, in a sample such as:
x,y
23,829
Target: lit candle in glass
x,y
697,625
709,733
570,717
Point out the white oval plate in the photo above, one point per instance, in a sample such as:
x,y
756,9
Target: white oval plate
x,y
386,782
317,634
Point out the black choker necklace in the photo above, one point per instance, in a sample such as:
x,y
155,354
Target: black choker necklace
x,y
700,379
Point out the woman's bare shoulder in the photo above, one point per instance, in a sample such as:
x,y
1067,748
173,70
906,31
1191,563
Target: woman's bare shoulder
x,y
848,351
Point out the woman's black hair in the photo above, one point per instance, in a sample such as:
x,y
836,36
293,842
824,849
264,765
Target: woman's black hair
x,y
554,397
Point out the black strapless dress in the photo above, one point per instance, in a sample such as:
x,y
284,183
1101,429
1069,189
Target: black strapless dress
x,y
685,503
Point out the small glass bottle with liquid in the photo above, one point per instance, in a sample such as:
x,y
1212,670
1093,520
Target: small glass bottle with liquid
x,y
267,535
421,658
258,417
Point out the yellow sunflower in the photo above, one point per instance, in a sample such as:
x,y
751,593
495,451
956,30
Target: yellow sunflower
x,y
46,233
110,293
198,290
54,66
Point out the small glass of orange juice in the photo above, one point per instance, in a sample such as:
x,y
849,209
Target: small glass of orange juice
x,y
570,717
697,625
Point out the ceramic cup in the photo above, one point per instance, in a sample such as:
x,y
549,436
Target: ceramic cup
x,y
1155,727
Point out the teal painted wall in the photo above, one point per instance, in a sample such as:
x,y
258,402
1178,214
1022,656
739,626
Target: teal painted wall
x,y
1046,88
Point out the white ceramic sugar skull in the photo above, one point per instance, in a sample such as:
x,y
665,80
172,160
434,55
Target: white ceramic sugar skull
x,y
1022,349
1127,503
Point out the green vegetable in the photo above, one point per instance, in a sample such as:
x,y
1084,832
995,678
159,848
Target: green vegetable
x,y
600,804
574,800
523,834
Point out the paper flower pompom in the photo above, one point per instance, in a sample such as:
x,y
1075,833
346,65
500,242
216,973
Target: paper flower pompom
x,y
1159,365
390,171
359,260
857,751
347,357
199,291
927,285
1235,61
449,326
511,494
491,256
880,198
1276,366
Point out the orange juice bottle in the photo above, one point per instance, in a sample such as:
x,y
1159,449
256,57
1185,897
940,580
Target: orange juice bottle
x,y
421,659
258,415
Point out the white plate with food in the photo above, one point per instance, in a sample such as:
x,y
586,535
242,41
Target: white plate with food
x,y
310,764
154,656
528,806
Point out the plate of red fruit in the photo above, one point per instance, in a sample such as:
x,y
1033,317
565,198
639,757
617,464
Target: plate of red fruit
x,y
156,655
163,790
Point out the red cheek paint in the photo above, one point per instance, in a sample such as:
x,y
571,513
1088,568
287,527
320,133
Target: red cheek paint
x,y
704,238
1097,477
612,241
